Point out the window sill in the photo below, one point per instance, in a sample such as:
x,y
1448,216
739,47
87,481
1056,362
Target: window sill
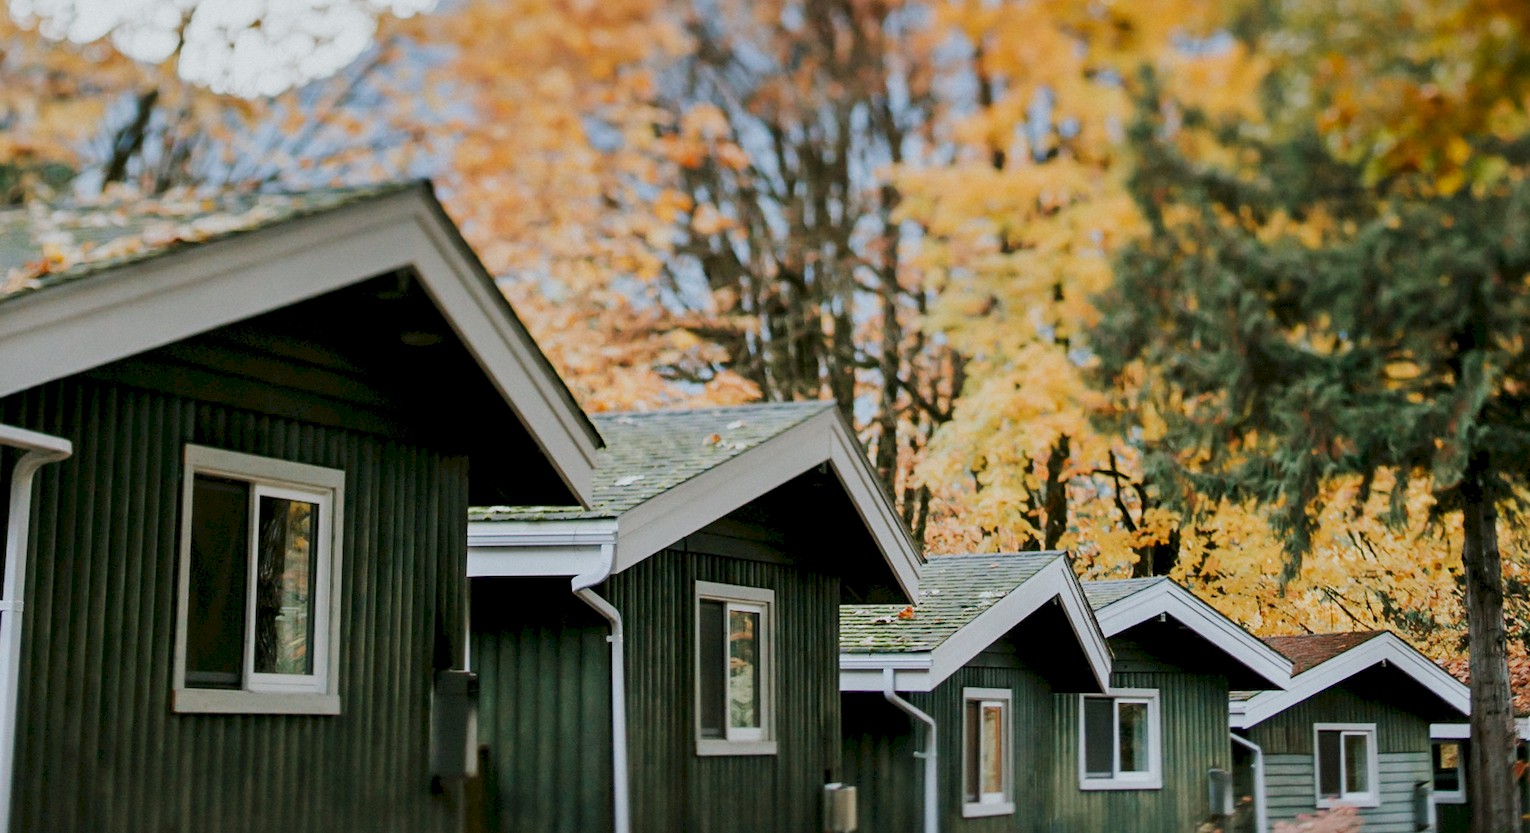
x,y
713,748
1450,798
1361,802
1149,783
974,811
211,701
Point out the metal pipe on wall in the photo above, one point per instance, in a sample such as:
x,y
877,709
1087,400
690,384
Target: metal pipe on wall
x,y
931,773
621,810
37,451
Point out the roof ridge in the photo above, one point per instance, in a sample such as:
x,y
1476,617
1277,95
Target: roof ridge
x,y
805,405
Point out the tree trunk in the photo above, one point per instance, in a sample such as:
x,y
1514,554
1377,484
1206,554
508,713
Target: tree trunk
x,y
1490,780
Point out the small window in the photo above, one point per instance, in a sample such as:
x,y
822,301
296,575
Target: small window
x,y
1119,745
1449,772
734,683
987,750
259,566
1345,761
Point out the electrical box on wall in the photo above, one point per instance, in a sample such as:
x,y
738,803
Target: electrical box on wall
x,y
838,808
454,726
1219,790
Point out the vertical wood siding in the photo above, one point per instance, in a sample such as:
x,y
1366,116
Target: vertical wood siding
x,y
98,746
545,708
1193,708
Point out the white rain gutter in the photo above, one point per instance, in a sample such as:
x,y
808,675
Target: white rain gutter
x,y
619,787
37,451
931,793
1259,797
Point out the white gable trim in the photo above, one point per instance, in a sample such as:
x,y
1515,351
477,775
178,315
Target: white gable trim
x,y
1053,583
659,522
539,548
1166,598
90,322
1387,647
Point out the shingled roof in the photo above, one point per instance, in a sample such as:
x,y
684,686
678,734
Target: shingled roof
x,y
1519,679
1308,650
649,453
954,590
1104,592
43,246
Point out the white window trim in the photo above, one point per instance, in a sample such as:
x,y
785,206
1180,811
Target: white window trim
x,y
1370,798
268,693
1004,804
760,741
1150,780
1456,796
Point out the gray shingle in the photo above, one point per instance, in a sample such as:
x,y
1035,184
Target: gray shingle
x,y
649,453
953,591
1109,591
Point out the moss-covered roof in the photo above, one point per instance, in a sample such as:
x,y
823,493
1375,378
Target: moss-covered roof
x,y
648,453
43,246
953,591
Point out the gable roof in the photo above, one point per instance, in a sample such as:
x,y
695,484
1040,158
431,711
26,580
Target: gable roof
x,y
1120,604
1376,648
666,474
151,272
1519,679
966,603
1308,650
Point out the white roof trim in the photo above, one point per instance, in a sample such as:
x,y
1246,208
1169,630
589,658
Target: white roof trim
x,y
659,522
1388,647
863,672
1463,731
538,548
87,323
1167,598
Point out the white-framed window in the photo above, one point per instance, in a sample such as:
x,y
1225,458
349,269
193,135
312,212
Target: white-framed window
x,y
735,682
1449,771
1120,741
259,569
987,752
1344,764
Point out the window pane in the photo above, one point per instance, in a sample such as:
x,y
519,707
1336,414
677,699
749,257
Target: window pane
x,y
1447,763
743,669
1133,736
285,573
219,564
1356,763
993,749
1329,785
1099,733
972,750
710,667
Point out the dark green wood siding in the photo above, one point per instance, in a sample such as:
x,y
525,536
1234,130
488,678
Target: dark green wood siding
x,y
1398,729
880,743
1193,710
99,748
548,726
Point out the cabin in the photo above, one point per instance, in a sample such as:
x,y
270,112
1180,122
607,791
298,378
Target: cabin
x,y
1352,728
1450,744
667,658
948,703
1154,752
241,433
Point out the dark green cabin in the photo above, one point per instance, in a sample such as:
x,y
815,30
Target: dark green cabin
x,y
1352,728
723,541
991,642
241,586
1140,758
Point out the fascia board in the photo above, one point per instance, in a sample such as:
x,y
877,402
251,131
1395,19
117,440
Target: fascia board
x,y
1388,647
538,548
72,328
1050,583
873,504
1168,598
865,672
1450,731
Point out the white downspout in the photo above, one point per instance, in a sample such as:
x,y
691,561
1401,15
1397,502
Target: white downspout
x,y
931,790
582,583
38,450
1259,797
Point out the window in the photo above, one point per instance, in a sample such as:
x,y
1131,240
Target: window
x,y
1119,745
987,749
734,696
1345,761
259,565
1449,772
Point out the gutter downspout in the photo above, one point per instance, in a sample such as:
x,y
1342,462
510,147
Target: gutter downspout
x,y
931,792
38,450
621,811
1259,797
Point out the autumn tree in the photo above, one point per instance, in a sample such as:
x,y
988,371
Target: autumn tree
x,y
1311,313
